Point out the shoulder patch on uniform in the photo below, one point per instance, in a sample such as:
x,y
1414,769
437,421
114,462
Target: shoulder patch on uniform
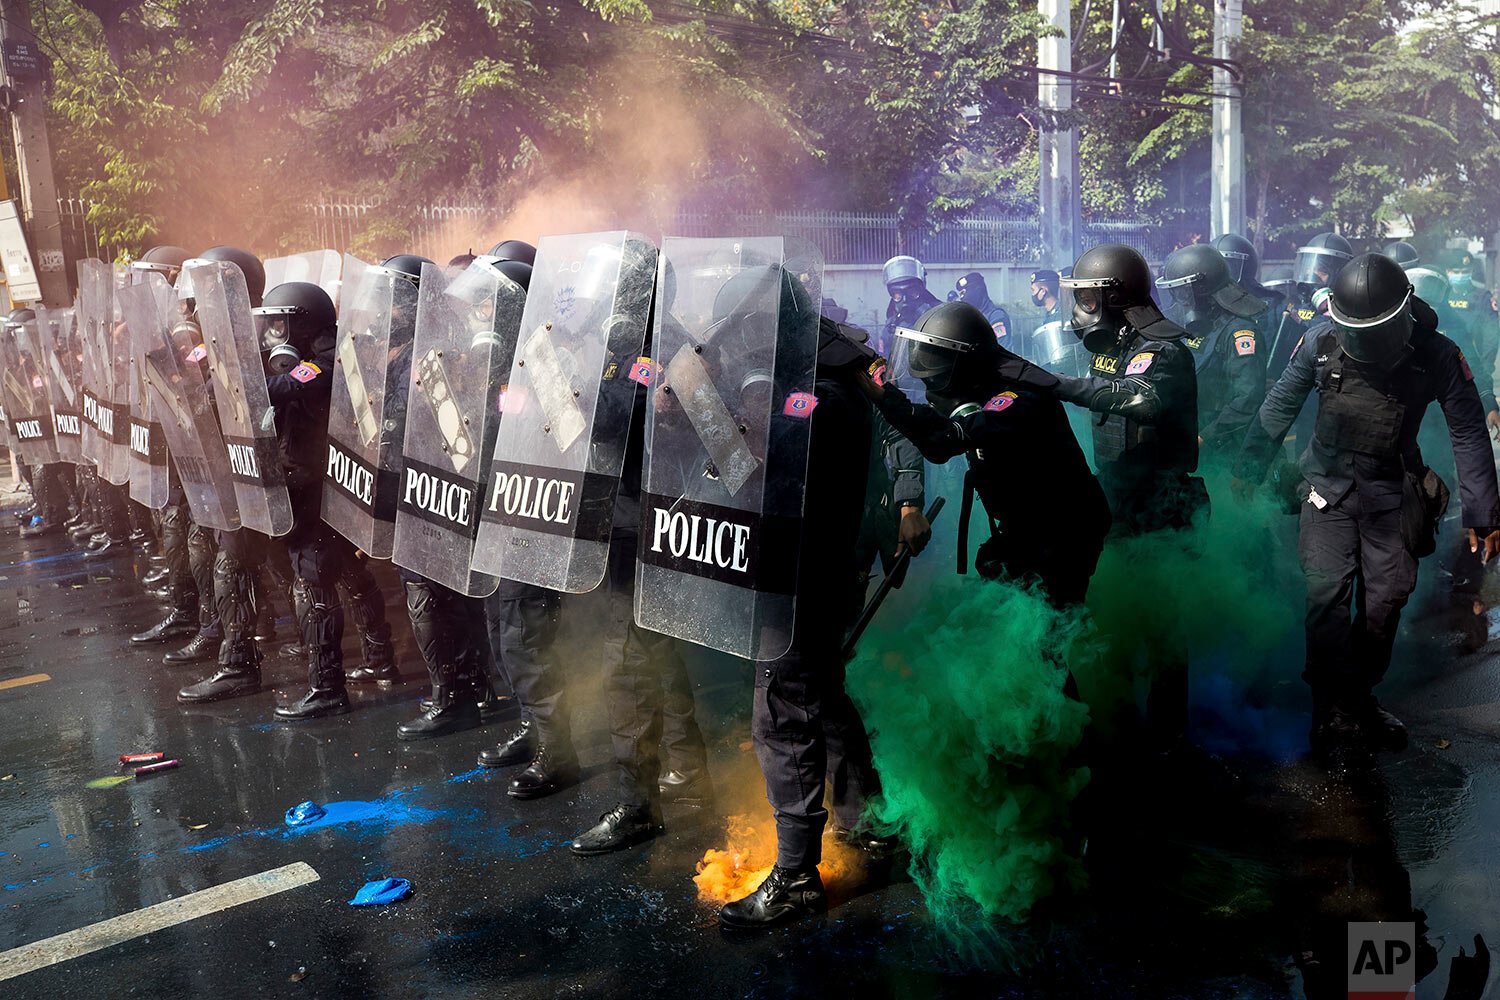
x,y
198,353
1139,363
799,404
1244,343
1000,402
1463,363
305,372
1001,332
641,370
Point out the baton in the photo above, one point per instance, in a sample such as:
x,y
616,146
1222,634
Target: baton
x,y
868,614
1276,340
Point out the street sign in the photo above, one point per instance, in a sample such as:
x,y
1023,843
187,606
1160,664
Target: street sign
x,y
15,257
22,58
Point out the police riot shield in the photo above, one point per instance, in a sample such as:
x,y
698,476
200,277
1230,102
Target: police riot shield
x,y
466,332
320,267
246,418
27,409
727,433
577,367
95,313
57,332
367,413
182,402
149,481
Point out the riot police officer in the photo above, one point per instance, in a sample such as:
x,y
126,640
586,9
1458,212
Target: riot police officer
x,y
1470,305
802,720
1244,270
1403,253
1143,385
972,289
1223,323
906,282
1371,503
1000,411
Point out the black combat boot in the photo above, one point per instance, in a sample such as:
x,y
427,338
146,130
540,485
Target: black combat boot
x,y
202,647
325,695
158,575
230,681
621,827
516,748
451,711
379,667
177,624
784,895
1382,729
554,768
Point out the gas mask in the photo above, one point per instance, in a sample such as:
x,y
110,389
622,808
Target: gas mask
x,y
273,331
1096,324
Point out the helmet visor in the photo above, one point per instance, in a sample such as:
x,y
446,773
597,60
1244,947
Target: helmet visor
x,y
1236,262
1317,265
273,326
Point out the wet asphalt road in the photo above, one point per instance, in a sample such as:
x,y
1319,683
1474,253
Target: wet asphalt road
x,y
1208,880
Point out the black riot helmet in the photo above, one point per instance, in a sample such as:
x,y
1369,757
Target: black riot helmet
x,y
514,250
1201,287
1111,290
408,265
1318,262
296,321
164,260
1371,307
1239,256
945,344
1403,253
250,267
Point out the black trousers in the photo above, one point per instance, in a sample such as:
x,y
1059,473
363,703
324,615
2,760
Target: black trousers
x,y
637,684
176,522
523,621
202,549
449,628
239,553
1354,560
318,555
806,728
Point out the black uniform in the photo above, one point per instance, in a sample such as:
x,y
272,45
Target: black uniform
x,y
1054,537
1231,380
802,720
1364,444
1146,447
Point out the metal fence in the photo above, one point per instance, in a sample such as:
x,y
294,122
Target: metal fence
x,y
844,237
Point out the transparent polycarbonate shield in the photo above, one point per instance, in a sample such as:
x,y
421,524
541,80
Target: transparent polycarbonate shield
x,y
57,333
28,411
572,383
149,479
320,267
727,431
95,313
114,393
466,328
367,412
182,402
246,418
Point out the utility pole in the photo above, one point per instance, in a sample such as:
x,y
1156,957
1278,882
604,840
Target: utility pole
x,y
1057,140
1227,214
24,68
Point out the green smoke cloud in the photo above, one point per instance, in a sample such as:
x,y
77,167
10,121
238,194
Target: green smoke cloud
x,y
978,747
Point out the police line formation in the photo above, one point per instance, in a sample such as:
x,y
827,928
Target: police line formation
x,y
698,425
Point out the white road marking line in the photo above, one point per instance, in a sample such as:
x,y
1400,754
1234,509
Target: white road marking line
x,y
117,930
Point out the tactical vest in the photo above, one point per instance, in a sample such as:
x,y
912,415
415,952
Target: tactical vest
x,y
1115,435
1358,409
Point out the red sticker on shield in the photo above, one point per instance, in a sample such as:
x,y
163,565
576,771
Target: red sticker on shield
x,y
198,353
1000,402
306,372
1139,363
799,404
641,371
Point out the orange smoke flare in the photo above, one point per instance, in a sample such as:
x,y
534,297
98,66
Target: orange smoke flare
x,y
743,865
